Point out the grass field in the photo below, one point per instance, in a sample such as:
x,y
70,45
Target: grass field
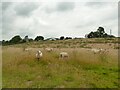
x,y
83,69
0,67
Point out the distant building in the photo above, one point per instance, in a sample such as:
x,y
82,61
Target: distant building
x,y
86,35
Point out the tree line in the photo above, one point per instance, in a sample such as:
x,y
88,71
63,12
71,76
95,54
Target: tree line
x,y
17,39
100,33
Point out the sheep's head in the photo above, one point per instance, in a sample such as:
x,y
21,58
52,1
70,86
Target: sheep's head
x,y
39,52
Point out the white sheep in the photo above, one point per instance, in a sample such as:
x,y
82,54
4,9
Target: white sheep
x,y
49,49
95,51
104,51
39,54
64,55
26,49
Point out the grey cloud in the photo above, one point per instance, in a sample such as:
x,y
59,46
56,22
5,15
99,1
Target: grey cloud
x,y
7,20
96,4
119,10
5,5
0,13
25,9
0,21
25,32
119,18
49,10
76,23
60,7
65,6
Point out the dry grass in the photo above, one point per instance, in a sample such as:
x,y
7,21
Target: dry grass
x,y
82,69
0,67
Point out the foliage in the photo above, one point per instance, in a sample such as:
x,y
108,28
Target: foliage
x,y
16,39
100,33
62,37
68,38
38,38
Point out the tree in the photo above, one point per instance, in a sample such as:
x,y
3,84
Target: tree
x,y
105,35
100,33
62,37
38,38
30,39
96,34
101,30
3,41
68,38
16,39
91,35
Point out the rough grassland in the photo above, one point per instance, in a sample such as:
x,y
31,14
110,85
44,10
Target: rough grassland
x,y
82,69
0,67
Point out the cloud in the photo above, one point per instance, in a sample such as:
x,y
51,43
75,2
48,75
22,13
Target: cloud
x,y
96,4
65,6
0,21
54,19
5,5
59,7
25,9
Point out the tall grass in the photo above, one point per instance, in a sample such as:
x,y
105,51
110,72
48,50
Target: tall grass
x,y
0,67
82,69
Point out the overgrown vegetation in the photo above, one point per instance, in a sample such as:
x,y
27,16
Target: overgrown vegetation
x,y
83,69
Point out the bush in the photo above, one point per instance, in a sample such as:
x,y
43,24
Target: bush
x,y
16,39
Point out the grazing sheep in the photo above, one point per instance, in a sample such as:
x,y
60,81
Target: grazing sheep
x,y
39,55
64,55
26,49
104,51
95,51
49,49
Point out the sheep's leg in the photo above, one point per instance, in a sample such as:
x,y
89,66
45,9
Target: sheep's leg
x,y
60,57
38,59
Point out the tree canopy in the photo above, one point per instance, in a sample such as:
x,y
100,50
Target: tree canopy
x,y
38,38
15,39
62,37
100,33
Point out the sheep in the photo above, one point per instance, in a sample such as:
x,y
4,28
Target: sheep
x,y
95,51
64,55
39,55
104,51
26,49
49,49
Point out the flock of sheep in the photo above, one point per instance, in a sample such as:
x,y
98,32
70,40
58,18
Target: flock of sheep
x,y
39,53
63,55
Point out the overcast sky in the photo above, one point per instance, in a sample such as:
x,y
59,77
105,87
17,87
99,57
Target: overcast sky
x,y
55,19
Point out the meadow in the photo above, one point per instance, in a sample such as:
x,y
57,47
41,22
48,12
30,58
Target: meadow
x,y
83,68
